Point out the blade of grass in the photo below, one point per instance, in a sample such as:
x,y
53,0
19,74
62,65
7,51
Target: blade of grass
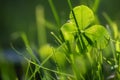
x,y
54,12
113,26
29,66
65,74
59,41
36,70
27,71
112,46
50,25
96,5
70,5
41,31
28,48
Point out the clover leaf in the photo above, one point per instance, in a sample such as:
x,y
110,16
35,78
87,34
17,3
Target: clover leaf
x,y
81,23
98,34
83,15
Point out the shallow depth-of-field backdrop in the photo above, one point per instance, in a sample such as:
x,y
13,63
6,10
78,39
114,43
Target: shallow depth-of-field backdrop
x,y
26,41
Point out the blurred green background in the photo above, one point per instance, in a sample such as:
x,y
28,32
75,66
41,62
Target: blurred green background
x,y
27,16
20,15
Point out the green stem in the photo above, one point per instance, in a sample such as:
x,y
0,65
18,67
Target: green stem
x,y
54,12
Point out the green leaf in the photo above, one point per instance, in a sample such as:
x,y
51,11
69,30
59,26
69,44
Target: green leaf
x,y
98,34
84,16
68,29
88,39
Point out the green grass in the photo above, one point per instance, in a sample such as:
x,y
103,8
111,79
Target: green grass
x,y
85,49
82,58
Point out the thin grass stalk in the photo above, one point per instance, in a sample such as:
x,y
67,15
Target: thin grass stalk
x,y
54,12
57,65
27,71
112,46
41,29
96,5
48,68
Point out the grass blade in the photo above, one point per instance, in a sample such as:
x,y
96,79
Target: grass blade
x,y
54,12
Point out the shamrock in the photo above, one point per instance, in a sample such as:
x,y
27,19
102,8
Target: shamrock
x,y
82,29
